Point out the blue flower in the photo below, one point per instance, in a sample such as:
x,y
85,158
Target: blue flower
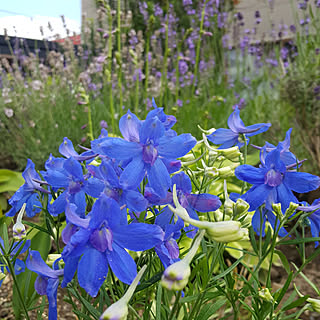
x,y
106,177
28,193
203,202
66,149
19,265
146,149
168,249
273,183
314,218
285,155
47,281
99,242
67,174
230,137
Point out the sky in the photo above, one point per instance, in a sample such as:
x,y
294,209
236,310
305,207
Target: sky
x,y
23,18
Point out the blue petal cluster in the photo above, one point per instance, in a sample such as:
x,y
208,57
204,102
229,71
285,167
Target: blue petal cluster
x,y
227,138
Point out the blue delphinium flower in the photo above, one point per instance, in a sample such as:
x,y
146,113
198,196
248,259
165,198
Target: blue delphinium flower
x,y
230,137
66,149
314,218
203,202
19,265
168,249
99,242
108,181
47,281
273,183
28,193
285,154
68,174
145,151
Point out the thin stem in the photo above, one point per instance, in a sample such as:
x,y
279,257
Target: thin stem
x,y
175,306
110,70
196,70
165,61
9,264
120,57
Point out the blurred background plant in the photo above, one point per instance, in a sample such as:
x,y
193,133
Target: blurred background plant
x,y
197,59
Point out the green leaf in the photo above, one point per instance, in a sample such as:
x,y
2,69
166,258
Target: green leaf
x,y
253,241
296,303
209,309
284,260
298,241
10,180
280,294
158,301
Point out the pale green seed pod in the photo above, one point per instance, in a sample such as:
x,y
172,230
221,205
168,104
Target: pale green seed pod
x,y
315,303
265,295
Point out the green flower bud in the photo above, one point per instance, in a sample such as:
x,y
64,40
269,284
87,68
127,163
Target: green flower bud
x,y
226,231
315,304
241,207
176,276
277,210
19,230
231,154
119,310
265,295
2,275
292,208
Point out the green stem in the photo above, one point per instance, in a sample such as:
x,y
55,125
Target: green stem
x,y
196,69
136,102
110,70
303,246
164,79
244,184
17,286
120,57
175,306
90,133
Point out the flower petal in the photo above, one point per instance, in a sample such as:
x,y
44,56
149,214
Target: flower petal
x,y
176,147
122,264
135,200
36,264
226,137
92,270
250,174
138,236
159,178
301,181
203,202
257,195
116,148
151,131
129,126
133,173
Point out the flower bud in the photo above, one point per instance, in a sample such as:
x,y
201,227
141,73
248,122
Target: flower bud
x,y
277,210
179,210
315,304
2,275
241,207
52,258
19,230
292,208
226,231
119,310
228,206
265,295
231,154
176,276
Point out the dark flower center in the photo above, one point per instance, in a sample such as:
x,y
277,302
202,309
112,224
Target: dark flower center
x,y
101,239
149,154
273,178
